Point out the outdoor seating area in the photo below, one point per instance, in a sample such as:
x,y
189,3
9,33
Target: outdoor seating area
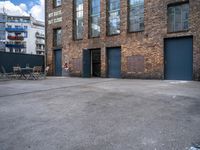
x,y
24,73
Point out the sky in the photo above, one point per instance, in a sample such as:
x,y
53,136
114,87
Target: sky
x,y
24,8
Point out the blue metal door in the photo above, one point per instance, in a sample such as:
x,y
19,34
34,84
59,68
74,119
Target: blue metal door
x,y
58,62
114,62
86,63
179,58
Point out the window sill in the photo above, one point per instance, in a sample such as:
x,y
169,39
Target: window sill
x,y
174,32
97,37
57,47
77,39
110,35
141,31
55,7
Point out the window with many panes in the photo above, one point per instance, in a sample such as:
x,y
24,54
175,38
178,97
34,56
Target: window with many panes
x,y
178,16
57,3
78,19
57,37
113,17
136,15
95,18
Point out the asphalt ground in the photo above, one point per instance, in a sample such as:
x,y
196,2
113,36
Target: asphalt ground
x,y
99,114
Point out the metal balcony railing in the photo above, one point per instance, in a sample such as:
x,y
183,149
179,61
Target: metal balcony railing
x,y
40,42
16,29
37,35
19,21
2,29
15,37
3,20
39,50
12,45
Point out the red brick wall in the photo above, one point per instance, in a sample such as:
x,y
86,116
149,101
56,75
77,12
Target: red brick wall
x,y
148,44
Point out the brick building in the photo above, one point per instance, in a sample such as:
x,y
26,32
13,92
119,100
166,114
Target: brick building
x,y
150,39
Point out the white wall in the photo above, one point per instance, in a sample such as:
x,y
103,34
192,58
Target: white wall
x,y
31,39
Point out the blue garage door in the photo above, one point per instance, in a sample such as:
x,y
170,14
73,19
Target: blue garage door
x,y
58,62
86,63
114,62
179,58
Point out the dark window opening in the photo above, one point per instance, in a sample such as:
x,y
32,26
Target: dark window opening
x,y
96,63
57,42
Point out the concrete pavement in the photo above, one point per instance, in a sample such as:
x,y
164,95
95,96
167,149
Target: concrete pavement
x,y
99,114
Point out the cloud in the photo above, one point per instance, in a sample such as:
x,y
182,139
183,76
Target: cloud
x,y
36,10
12,9
23,6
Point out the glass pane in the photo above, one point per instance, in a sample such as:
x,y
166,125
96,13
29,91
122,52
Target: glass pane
x,y
79,19
178,17
58,2
95,18
95,26
57,37
136,15
114,17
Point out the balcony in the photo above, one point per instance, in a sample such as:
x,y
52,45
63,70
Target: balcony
x,y
18,21
16,29
42,42
11,45
38,35
40,50
3,20
15,38
2,29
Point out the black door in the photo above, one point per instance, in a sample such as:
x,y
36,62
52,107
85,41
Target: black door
x,y
114,62
58,62
179,58
86,63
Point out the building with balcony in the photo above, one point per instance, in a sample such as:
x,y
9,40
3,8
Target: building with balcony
x,y
2,32
149,39
40,43
18,33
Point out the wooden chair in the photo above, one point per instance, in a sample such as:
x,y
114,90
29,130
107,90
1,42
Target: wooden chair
x,y
44,74
17,72
37,72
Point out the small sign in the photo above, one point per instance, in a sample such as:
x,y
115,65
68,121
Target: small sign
x,y
57,13
50,15
55,18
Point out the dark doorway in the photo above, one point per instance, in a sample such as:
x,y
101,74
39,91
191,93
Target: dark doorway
x,y
114,62
179,58
96,63
91,63
58,62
